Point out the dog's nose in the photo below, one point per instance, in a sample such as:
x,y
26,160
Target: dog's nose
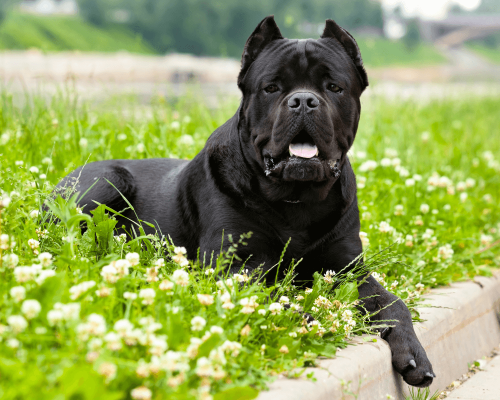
x,y
303,101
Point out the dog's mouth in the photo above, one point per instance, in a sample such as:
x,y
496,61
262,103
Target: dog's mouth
x,y
303,146
302,162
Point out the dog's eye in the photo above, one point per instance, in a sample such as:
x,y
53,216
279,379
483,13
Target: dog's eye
x,y
334,88
271,89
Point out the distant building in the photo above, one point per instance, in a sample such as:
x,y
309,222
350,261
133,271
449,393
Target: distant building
x,y
48,7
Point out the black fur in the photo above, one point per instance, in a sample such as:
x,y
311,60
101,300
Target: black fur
x,y
245,181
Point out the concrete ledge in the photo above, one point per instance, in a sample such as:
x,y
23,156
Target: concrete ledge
x,y
465,327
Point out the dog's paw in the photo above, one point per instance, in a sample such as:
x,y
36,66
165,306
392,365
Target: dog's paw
x,y
409,357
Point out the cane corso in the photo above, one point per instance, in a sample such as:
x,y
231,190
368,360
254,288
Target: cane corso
x,y
277,168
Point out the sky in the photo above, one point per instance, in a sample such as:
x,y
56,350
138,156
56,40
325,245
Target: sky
x,y
428,9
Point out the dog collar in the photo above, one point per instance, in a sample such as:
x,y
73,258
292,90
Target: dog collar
x,y
292,201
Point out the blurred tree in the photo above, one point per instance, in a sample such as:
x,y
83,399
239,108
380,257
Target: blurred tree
x,y
412,37
221,27
4,5
96,11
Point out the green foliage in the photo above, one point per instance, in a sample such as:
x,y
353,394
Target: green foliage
x,y
221,27
428,188
56,33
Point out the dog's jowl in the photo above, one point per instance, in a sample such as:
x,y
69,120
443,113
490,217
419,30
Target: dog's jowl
x,y
277,168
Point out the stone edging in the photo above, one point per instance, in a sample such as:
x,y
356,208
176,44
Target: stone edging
x,y
465,327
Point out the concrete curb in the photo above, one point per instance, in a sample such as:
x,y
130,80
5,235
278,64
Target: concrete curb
x,y
465,327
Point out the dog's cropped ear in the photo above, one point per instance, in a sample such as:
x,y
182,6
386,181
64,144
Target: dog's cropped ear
x,y
332,30
265,33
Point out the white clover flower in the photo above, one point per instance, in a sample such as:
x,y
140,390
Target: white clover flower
x,y
463,197
158,346
34,214
4,202
13,343
284,300
275,308
379,278
108,370
77,290
205,299
148,295
133,258
398,209
403,173
54,317
109,274
70,311
17,323
328,278
152,274
216,329
130,295
180,277
240,278
364,239
166,285
209,271
10,260
24,274
18,293
417,177
160,263
122,267
461,186
198,323
45,259
186,140
470,182
96,324
445,252
34,170
180,250
123,326
141,393
368,165
31,308
486,239
34,244
262,311
384,227
424,208
249,304
410,182
181,260
385,162
47,161
83,143
175,125
204,367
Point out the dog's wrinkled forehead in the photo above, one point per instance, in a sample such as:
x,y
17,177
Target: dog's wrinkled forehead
x,y
301,63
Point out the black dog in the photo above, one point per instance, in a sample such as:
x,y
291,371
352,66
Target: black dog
x,y
278,168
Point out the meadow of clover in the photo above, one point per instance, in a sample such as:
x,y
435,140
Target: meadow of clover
x,y
95,314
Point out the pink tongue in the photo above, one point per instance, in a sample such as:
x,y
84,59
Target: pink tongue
x,y
304,150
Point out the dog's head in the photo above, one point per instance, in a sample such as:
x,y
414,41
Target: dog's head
x,y
300,108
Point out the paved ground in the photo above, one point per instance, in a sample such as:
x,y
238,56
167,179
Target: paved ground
x,y
484,385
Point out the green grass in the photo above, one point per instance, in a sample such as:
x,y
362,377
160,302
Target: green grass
x,y
383,53
58,33
441,230
490,53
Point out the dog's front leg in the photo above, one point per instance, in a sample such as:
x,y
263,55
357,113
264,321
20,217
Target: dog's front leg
x,y
408,355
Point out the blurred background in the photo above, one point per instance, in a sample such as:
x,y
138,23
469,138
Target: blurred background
x,y
412,48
